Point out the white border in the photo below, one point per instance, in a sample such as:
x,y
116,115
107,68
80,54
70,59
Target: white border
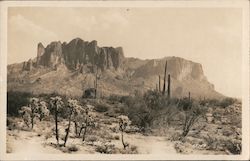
x,y
245,77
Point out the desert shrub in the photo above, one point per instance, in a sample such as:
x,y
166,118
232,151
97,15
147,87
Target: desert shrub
x,y
155,100
110,114
191,116
106,148
114,98
15,100
144,110
107,122
117,137
132,129
233,146
176,136
48,135
185,103
104,134
91,138
72,148
179,147
209,102
212,143
114,129
11,124
130,150
227,102
133,148
216,102
101,108
118,110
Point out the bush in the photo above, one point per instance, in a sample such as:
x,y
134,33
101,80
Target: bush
x,y
117,137
133,148
15,100
191,116
227,102
145,110
104,134
114,98
106,148
130,150
233,147
212,143
101,108
107,122
215,102
91,138
72,148
210,102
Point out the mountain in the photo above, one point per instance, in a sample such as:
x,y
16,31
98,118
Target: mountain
x,y
70,68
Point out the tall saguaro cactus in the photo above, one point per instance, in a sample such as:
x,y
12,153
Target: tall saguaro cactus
x,y
189,96
159,83
169,85
95,84
165,77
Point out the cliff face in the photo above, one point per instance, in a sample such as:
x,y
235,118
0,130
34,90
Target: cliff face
x,y
179,69
77,54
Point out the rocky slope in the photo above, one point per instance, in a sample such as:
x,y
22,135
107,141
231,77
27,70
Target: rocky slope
x,y
70,68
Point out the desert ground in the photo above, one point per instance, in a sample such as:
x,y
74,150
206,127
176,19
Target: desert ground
x,y
218,132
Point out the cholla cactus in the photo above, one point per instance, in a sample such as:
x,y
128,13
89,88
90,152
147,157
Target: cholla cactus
x,y
25,112
56,103
34,104
78,117
74,108
124,122
43,110
86,120
30,112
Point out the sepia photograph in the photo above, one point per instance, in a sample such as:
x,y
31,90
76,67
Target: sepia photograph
x,y
134,80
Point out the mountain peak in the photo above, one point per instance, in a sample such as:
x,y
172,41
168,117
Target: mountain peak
x,y
78,54
78,59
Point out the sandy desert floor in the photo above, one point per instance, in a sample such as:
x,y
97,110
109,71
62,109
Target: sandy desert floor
x,y
219,137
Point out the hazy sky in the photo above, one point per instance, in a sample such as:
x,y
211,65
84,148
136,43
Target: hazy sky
x,y
210,36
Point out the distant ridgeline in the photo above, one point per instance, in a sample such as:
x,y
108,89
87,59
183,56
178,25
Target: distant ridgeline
x,y
70,68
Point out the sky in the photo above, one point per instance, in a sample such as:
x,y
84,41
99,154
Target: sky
x,y
210,36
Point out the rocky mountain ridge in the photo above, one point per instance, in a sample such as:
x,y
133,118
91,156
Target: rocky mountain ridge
x,y
70,68
75,55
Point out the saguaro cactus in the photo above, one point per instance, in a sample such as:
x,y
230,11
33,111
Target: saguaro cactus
x,y
159,83
165,77
169,85
96,78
